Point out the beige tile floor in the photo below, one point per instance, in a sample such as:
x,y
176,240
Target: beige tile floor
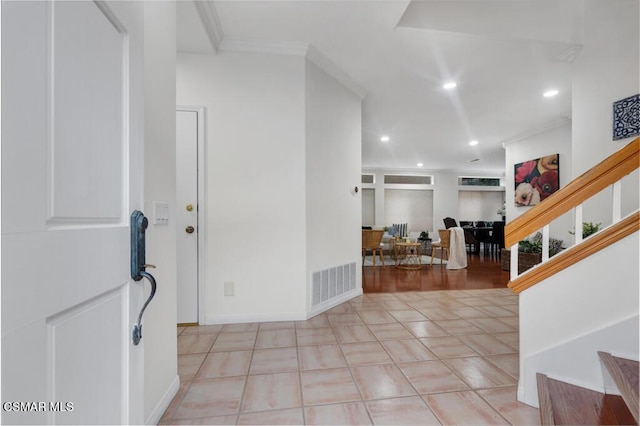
x,y
437,357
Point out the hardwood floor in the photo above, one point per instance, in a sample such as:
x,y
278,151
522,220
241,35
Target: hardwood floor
x,y
573,405
483,271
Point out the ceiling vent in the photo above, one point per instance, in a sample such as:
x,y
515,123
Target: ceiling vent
x,y
569,55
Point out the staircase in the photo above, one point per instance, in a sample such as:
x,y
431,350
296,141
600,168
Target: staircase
x,y
579,302
565,404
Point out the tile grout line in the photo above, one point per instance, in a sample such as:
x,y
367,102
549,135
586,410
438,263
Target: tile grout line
x,y
352,309
246,378
491,405
179,403
362,400
302,405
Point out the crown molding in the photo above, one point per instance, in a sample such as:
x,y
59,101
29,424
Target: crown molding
x,y
306,50
264,46
431,172
321,61
536,131
209,17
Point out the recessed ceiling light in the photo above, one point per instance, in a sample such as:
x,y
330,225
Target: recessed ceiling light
x,y
449,85
550,93
473,143
384,138
420,164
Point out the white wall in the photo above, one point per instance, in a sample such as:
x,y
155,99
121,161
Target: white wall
x,y
368,207
445,198
554,141
333,163
606,70
160,351
255,184
559,333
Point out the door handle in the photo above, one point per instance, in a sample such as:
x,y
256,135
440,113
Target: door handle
x,y
189,229
139,225
136,332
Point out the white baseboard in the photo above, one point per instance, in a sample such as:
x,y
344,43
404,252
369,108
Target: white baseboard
x,y
325,306
521,396
164,402
244,318
282,316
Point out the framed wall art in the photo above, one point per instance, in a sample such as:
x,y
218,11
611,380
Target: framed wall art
x,y
626,117
536,179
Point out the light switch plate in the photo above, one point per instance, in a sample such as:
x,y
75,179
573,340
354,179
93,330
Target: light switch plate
x,y
229,288
160,213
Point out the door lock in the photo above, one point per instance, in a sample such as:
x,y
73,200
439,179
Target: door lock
x,y
189,207
189,229
138,226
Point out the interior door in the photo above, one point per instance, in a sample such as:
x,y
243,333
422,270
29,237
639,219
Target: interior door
x,y
187,130
72,145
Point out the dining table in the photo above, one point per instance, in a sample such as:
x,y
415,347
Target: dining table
x,y
478,232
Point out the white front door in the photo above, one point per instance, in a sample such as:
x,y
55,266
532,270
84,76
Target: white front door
x,y
187,130
72,170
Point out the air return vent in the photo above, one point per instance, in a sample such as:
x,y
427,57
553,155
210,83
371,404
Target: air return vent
x,y
333,282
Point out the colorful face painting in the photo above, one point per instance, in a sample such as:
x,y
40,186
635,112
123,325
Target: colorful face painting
x,y
536,179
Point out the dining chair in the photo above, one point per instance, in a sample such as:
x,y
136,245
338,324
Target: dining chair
x,y
450,222
470,240
443,245
482,235
372,241
497,236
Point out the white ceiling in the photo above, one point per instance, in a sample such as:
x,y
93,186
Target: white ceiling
x,y
502,53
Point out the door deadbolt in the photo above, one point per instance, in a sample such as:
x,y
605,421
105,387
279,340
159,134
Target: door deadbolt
x,y
189,207
189,229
